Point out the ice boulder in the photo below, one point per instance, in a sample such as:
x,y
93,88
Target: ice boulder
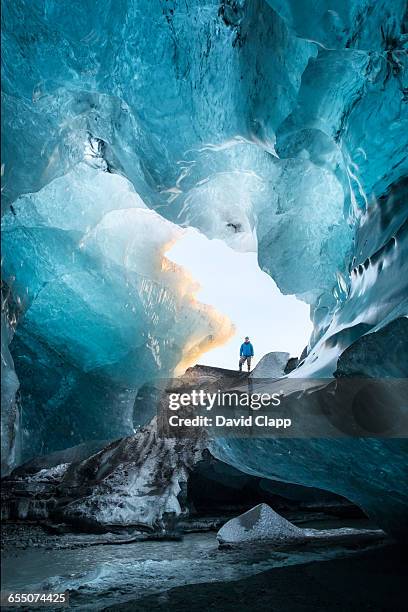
x,y
261,523
272,365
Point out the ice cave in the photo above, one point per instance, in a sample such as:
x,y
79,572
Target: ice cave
x,y
277,126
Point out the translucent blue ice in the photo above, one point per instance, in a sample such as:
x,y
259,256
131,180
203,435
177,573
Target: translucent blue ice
x,y
101,309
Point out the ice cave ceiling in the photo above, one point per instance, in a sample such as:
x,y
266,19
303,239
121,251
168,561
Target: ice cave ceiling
x,y
276,123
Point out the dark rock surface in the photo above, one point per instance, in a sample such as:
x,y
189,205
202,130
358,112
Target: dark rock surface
x,y
67,455
291,365
377,353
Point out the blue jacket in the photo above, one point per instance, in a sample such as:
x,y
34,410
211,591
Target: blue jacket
x,y
246,350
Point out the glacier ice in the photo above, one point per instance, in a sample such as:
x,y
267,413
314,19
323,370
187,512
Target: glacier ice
x,y
272,365
103,310
277,126
133,488
10,408
262,524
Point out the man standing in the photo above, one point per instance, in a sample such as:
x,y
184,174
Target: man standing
x,y
246,353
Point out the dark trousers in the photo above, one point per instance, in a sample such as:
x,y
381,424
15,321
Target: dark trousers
x,y
244,359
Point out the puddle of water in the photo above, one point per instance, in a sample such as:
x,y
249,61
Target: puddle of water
x,y
105,575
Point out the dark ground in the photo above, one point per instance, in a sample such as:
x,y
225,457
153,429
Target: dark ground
x,y
375,580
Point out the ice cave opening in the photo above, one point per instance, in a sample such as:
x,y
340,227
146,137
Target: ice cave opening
x,y
231,281
247,120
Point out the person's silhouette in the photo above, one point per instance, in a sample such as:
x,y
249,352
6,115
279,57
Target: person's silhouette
x,y
246,352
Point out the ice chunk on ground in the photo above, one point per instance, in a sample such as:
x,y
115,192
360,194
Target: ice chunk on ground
x,y
272,365
259,523
262,524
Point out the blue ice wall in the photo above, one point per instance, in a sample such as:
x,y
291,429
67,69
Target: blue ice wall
x,y
101,310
